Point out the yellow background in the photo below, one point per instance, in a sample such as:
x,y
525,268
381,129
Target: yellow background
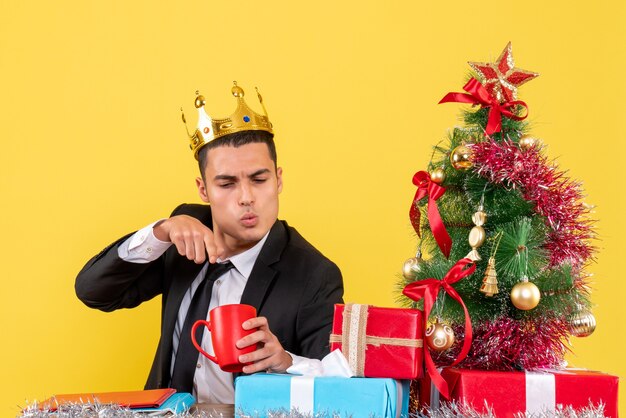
x,y
93,146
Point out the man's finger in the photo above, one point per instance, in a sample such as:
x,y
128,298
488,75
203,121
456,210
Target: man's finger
x,y
254,338
198,245
178,241
190,251
260,354
210,247
258,366
218,238
258,322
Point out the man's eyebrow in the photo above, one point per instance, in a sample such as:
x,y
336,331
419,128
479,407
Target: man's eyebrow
x,y
225,177
259,172
228,177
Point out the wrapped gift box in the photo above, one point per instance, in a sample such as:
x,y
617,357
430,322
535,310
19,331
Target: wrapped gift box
x,y
260,394
379,342
508,393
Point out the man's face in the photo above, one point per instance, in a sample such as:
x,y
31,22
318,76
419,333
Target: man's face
x,y
242,186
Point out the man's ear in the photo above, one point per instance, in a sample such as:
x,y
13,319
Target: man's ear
x,y
279,179
202,190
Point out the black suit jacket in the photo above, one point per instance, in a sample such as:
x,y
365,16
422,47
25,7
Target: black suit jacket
x,y
292,284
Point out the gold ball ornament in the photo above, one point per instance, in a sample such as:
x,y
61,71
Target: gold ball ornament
x,y
411,267
439,337
527,142
525,295
438,175
583,324
461,158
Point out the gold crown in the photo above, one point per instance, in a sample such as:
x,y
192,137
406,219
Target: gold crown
x,y
243,119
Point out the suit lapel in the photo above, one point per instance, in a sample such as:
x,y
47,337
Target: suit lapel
x,y
263,275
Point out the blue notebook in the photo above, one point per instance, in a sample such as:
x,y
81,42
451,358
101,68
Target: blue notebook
x,y
176,404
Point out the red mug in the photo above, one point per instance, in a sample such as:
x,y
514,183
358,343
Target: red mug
x,y
225,324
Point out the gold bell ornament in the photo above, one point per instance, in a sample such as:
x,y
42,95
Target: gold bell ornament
x,y
461,158
490,280
525,295
438,336
412,266
583,323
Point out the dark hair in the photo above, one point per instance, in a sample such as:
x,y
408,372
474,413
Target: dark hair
x,y
238,139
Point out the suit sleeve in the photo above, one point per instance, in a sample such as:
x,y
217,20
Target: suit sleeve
x,y
108,283
315,317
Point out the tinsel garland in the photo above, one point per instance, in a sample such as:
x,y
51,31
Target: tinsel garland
x,y
460,409
556,197
97,410
444,410
508,344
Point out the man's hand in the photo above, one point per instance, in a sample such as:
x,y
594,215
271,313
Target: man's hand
x,y
191,237
269,355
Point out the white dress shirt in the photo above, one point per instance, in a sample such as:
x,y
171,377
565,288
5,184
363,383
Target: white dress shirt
x,y
210,383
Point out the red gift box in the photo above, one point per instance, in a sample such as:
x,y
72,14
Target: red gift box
x,y
379,342
508,393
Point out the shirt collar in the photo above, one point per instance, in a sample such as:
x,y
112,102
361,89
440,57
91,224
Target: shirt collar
x,y
244,262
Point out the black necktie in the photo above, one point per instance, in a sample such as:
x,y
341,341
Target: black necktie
x,y
187,355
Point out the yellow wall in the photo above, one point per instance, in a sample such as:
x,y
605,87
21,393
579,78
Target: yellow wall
x,y
93,146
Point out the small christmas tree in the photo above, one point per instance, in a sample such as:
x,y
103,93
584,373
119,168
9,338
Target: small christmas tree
x,y
506,232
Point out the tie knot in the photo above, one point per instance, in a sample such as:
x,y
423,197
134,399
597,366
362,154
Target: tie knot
x,y
216,270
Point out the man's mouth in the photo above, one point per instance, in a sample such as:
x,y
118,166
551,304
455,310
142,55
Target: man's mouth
x,y
249,219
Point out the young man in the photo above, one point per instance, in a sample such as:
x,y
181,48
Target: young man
x,y
233,250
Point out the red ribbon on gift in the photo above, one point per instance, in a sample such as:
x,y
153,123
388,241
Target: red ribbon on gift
x,y
478,94
428,290
427,187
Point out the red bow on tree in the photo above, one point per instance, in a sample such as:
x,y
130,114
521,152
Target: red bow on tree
x,y
428,290
427,187
478,94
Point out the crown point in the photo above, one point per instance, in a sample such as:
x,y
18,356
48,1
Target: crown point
x,y
237,91
200,101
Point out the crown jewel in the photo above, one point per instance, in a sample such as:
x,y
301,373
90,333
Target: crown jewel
x,y
243,119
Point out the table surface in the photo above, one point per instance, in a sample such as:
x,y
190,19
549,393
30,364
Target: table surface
x,y
226,411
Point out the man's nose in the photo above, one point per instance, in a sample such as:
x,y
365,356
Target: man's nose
x,y
246,196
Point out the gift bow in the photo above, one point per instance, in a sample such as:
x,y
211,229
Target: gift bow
x,y
428,289
427,187
354,339
478,94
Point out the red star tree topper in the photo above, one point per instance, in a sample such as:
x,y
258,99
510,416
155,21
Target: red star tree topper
x,y
502,78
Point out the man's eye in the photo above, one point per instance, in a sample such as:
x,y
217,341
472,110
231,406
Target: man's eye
x,y
259,180
225,185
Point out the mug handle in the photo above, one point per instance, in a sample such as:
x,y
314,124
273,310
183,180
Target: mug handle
x,y
195,343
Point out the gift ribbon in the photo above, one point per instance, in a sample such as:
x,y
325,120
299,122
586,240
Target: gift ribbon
x,y
478,94
301,394
540,393
428,289
354,339
427,187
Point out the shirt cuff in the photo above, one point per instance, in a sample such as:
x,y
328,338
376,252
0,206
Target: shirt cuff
x,y
143,247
